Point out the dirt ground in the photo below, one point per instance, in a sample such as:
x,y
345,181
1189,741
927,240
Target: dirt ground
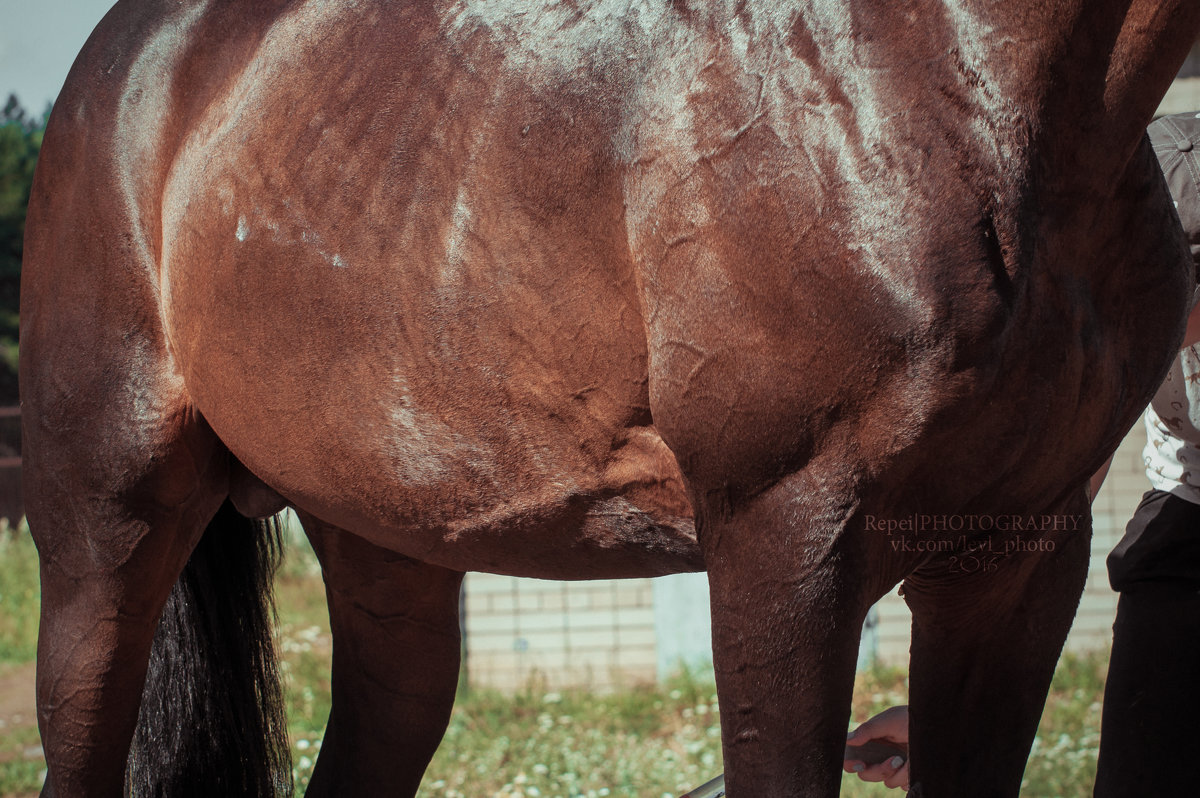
x,y
18,722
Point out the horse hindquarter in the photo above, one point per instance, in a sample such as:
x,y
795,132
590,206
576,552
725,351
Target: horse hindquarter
x,y
122,476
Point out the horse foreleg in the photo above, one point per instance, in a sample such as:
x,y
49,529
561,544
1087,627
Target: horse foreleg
x,y
985,643
395,665
789,595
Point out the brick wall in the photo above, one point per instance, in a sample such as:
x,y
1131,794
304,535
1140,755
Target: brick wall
x,y
596,634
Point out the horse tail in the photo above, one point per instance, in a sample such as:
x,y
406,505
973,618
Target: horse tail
x,y
212,718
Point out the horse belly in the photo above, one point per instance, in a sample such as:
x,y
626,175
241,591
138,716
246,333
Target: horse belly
x,y
477,461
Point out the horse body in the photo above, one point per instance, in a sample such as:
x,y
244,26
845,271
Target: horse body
x,y
581,290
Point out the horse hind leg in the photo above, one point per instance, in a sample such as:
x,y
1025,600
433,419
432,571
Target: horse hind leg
x,y
396,650
115,507
122,479
121,474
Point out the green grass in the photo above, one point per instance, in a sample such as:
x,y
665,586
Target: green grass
x,y
1063,759
19,596
21,766
305,647
651,741
644,742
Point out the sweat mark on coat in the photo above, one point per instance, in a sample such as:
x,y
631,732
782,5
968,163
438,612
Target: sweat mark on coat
x,y
307,238
548,42
461,224
423,448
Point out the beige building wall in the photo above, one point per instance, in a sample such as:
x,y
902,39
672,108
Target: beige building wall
x,y
597,634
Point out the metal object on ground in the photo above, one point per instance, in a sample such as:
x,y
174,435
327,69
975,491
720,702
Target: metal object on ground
x,y
709,789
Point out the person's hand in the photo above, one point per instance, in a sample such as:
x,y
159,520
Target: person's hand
x,y
889,727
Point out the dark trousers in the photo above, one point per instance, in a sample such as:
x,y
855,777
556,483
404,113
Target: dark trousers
x,y
1150,727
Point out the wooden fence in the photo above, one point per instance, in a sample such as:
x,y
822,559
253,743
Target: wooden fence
x,y
12,502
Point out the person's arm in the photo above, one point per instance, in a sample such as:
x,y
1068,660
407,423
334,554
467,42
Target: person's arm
x,y
889,726
1098,478
1192,336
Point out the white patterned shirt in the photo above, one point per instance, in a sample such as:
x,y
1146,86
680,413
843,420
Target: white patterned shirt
x,y
1172,452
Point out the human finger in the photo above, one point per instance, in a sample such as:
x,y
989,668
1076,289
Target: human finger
x,y
892,773
899,777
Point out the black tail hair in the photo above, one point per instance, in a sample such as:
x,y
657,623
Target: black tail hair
x,y
212,720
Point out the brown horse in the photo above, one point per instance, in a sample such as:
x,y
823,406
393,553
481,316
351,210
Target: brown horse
x,y
584,289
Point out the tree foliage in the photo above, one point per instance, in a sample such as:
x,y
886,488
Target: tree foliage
x,y
20,142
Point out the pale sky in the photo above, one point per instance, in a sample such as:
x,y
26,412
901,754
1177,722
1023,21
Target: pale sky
x,y
39,40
